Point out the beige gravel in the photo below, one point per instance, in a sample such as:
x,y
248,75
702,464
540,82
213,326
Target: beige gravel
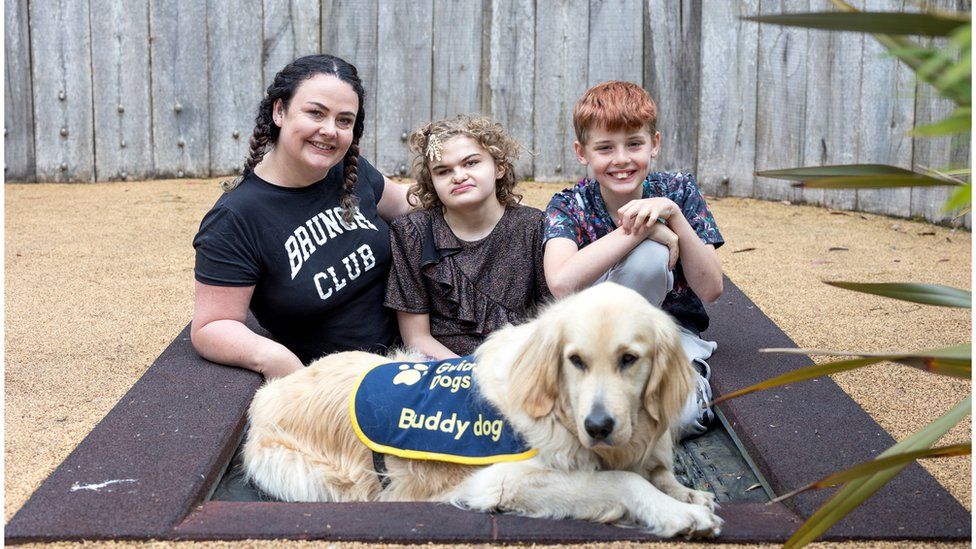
x,y
98,280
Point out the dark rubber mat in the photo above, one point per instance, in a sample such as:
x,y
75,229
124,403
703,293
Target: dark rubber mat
x,y
146,471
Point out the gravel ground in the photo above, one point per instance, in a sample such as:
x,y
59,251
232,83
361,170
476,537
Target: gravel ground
x,y
98,280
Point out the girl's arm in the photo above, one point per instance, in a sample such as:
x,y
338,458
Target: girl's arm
x,y
394,201
569,268
218,333
415,331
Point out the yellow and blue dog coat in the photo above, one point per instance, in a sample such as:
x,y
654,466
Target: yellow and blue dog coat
x,y
434,411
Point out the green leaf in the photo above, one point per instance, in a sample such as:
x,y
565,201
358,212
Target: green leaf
x,y
952,361
880,464
959,122
844,170
961,198
856,491
955,361
919,24
927,294
800,374
876,182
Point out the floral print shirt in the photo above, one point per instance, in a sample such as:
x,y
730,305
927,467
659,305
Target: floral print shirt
x,y
579,214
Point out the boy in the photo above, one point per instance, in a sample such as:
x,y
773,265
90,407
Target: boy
x,y
628,225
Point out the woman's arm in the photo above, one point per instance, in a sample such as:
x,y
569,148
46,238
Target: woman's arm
x,y
218,333
415,331
394,201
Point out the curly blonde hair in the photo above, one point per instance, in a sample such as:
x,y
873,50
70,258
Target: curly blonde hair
x,y
426,144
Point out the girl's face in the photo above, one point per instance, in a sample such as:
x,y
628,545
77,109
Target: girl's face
x,y
465,175
316,128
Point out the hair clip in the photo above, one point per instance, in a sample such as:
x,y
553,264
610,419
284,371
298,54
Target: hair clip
x,y
433,152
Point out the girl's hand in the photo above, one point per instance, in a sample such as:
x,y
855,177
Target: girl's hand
x,y
661,234
644,213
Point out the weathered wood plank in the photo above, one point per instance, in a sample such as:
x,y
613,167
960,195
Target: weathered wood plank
x,y
180,105
511,74
456,81
616,47
120,81
940,153
887,113
349,30
61,54
292,28
815,113
727,127
844,59
672,46
18,101
234,42
403,100
782,95
560,68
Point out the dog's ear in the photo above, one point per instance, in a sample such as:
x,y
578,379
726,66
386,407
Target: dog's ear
x,y
671,377
535,371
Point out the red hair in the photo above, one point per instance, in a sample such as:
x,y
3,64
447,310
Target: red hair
x,y
614,106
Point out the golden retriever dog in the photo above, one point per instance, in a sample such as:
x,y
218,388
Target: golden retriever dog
x,y
593,383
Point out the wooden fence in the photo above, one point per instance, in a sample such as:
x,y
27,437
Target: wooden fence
x,y
102,90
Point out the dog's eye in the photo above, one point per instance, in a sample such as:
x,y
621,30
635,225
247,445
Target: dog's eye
x,y
627,360
578,362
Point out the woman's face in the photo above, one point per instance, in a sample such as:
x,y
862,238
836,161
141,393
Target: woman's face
x,y
316,128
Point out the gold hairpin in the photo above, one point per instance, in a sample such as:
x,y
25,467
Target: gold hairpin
x,y
433,152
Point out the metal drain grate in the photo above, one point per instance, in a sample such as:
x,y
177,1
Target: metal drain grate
x,y
714,462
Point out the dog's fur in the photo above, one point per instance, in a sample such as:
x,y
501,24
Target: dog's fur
x,y
602,353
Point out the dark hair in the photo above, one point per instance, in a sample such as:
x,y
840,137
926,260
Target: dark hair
x,y
285,83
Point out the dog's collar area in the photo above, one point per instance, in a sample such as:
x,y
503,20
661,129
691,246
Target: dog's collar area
x,y
379,465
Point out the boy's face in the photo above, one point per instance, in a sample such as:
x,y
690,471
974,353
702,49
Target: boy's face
x,y
620,160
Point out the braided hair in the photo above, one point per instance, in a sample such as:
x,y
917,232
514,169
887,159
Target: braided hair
x,y
283,88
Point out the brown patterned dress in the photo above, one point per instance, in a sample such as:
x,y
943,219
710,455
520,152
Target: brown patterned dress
x,y
469,289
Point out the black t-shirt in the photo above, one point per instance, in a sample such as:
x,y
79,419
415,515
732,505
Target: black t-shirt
x,y
319,282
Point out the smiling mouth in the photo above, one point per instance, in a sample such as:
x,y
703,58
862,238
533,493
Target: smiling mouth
x,y
322,147
620,176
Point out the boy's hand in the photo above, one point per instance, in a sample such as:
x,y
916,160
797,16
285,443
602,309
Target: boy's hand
x,y
644,213
661,234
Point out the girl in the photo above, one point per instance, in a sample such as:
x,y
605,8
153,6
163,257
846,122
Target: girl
x,y
471,260
300,238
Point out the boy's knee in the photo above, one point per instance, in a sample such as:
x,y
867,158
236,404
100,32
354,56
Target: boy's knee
x,y
645,269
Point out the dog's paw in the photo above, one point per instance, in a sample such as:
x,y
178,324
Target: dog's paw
x,y
688,520
698,497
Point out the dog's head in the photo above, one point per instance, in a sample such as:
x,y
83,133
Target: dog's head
x,y
601,358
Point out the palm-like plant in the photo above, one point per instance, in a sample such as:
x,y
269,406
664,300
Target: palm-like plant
x,y
949,71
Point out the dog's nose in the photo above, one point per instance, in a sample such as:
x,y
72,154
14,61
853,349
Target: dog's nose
x,y
598,424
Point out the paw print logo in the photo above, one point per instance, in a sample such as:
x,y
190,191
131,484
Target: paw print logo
x,y
410,374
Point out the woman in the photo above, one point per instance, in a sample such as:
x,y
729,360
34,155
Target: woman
x,y
301,238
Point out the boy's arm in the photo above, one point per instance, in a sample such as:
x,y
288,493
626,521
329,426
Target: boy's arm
x,y
569,268
415,331
699,261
